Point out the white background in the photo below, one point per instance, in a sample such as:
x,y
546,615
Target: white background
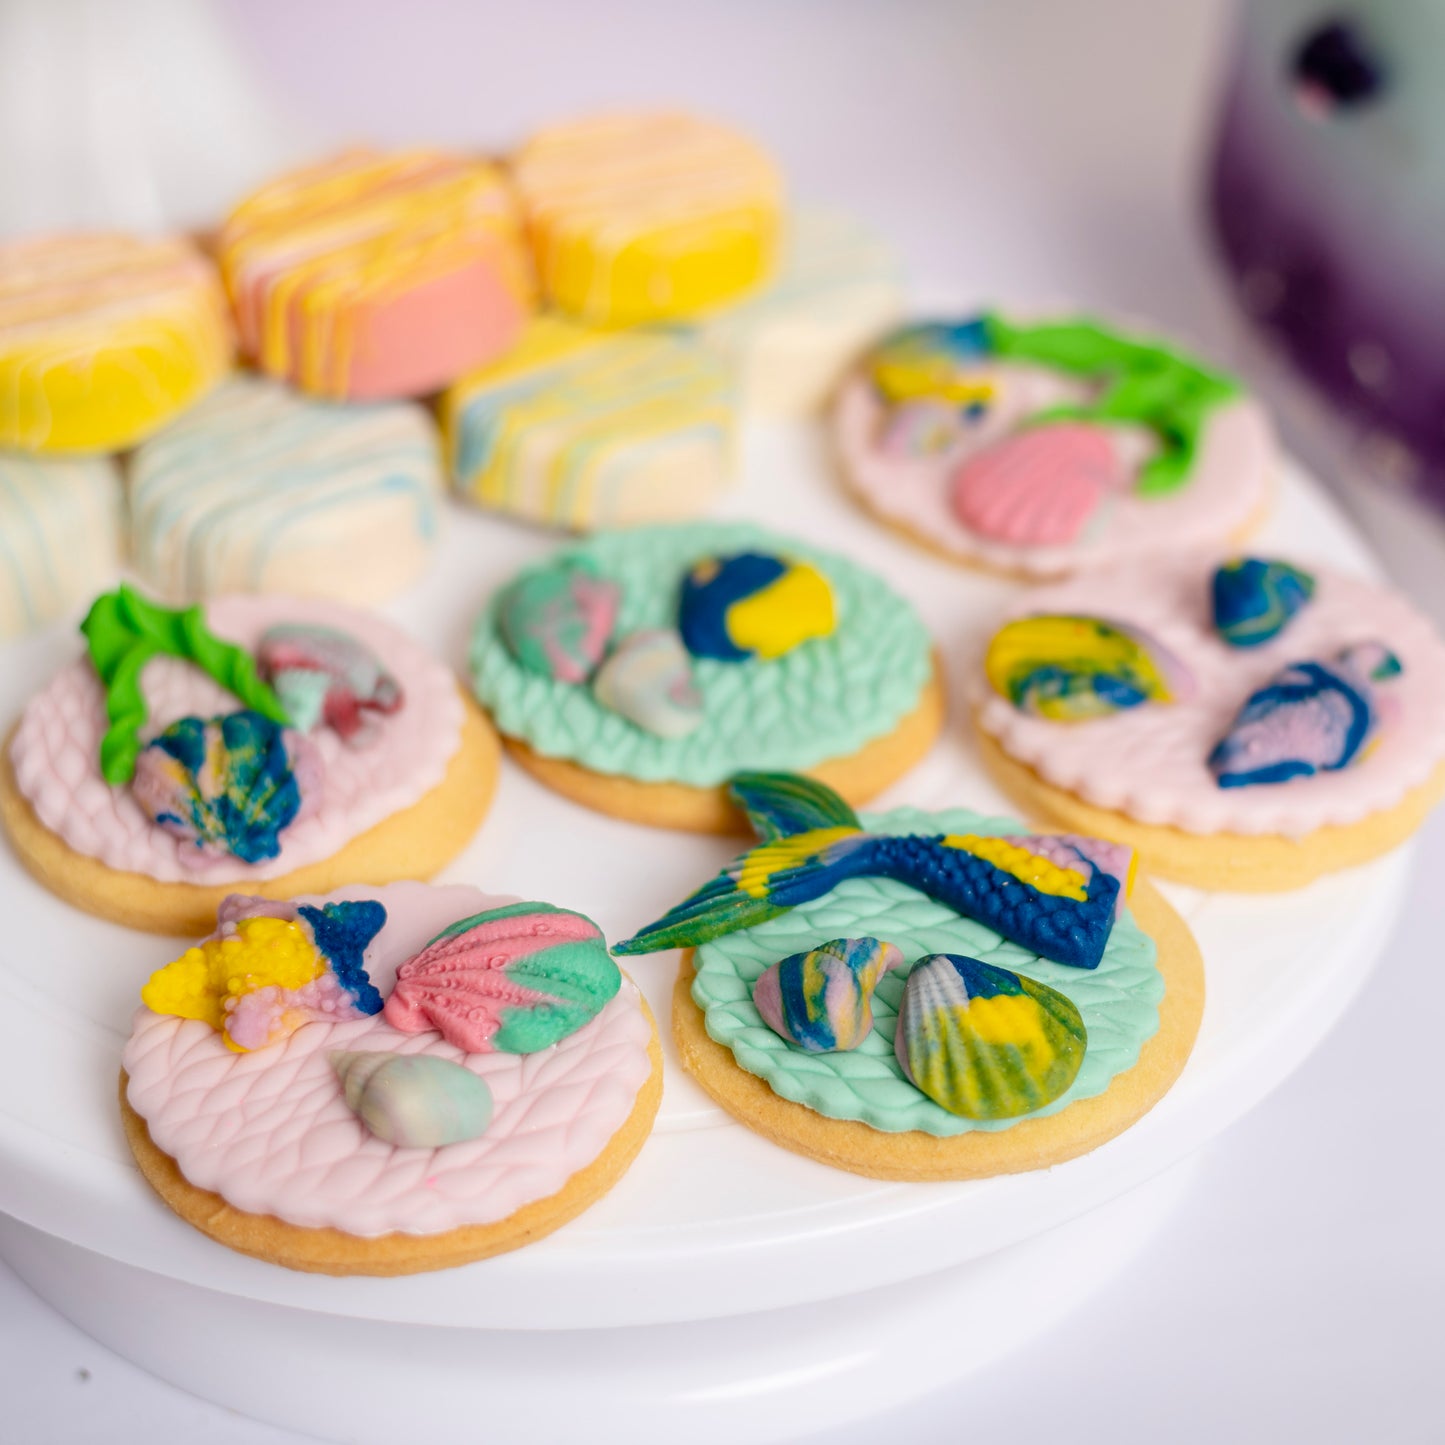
x,y
1035,148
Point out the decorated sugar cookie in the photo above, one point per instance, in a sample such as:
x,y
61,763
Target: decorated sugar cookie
x,y
837,286
916,995
259,489
104,338
388,1080
647,217
376,275
581,428
639,670
1042,447
261,745
60,533
1272,722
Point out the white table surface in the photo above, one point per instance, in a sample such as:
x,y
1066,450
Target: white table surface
x,y
1034,148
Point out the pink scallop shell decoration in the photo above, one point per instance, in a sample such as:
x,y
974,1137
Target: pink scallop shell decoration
x,y
1038,487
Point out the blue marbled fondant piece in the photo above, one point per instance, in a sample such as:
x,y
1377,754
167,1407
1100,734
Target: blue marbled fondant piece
x,y
343,931
710,589
1255,599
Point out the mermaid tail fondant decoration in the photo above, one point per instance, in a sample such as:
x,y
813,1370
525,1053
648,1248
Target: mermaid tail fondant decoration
x,y
1055,895
1312,717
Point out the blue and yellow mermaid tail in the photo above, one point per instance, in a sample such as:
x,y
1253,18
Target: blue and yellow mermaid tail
x,y
1056,896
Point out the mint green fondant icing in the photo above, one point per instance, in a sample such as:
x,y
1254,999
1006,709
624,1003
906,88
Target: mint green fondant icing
x,y
1119,1000
824,699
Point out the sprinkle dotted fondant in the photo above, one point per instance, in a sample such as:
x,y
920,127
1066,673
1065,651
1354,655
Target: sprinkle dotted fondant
x,y
371,275
647,217
104,338
1118,1001
583,429
260,490
826,698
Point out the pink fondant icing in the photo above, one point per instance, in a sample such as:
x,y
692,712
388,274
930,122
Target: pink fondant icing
x,y
1150,762
271,1133
55,751
1229,484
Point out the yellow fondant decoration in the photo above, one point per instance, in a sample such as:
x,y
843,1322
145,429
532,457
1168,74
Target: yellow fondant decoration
x,y
104,338
263,952
1041,873
638,218
784,614
761,863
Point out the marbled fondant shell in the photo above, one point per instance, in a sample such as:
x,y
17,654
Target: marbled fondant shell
x,y
753,604
558,620
227,784
939,360
1311,717
1038,487
1069,669
324,675
1255,600
511,980
648,680
985,1043
822,1000
415,1101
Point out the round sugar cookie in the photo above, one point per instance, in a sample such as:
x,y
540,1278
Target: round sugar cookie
x,y
837,286
647,217
258,489
1144,774
376,275
347,1138
104,338
580,428
1137,985
363,762
583,663
60,535
1043,447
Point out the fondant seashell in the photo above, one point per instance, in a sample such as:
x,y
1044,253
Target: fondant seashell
x,y
822,1000
1311,717
985,1043
1038,487
753,605
938,360
648,680
558,620
1255,600
229,784
923,428
415,1101
324,675
1069,669
511,980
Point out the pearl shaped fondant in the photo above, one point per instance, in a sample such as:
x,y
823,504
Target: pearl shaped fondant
x,y
822,1000
985,1043
648,680
415,1101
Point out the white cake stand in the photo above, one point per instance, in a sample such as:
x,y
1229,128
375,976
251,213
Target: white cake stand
x,y
726,1289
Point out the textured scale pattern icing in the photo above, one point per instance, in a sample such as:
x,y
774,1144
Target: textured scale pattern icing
x,y
1151,762
55,751
272,1133
863,679
1118,1001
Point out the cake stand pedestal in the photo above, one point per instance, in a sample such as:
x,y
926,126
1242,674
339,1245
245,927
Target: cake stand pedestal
x,y
725,1285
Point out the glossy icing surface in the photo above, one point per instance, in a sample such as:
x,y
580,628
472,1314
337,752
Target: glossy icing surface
x,y
260,490
647,217
271,1132
103,338
376,275
1119,1000
1227,485
825,699
1151,763
56,749
60,535
581,428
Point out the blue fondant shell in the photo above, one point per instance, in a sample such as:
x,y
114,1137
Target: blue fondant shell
x,y
1255,600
